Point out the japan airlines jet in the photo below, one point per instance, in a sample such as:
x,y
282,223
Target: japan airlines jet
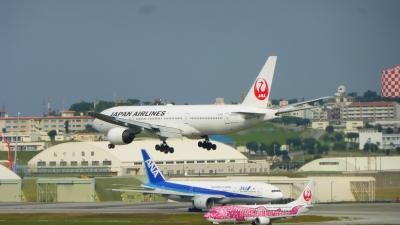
x,y
204,194
123,123
260,214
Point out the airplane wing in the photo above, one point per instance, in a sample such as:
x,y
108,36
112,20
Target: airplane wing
x,y
309,101
296,106
166,192
163,131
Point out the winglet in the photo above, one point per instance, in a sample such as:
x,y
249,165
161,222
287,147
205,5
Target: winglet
x,y
154,175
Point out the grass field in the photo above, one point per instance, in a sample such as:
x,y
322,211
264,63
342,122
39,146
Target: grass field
x,y
23,156
127,219
264,133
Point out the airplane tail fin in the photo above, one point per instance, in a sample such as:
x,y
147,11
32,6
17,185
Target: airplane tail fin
x,y
306,196
154,175
258,94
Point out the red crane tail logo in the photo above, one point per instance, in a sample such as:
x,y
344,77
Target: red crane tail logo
x,y
307,195
261,89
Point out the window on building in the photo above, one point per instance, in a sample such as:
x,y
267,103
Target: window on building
x,y
91,153
107,163
232,161
84,163
221,161
95,163
189,162
83,153
74,163
137,163
53,163
63,163
169,162
180,162
210,161
200,161
328,163
159,162
41,163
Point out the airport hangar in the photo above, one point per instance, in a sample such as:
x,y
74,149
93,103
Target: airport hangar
x,y
94,158
10,185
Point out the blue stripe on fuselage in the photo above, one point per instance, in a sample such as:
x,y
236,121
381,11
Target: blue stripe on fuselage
x,y
196,190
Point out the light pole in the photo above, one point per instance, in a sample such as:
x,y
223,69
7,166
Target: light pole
x,y
16,143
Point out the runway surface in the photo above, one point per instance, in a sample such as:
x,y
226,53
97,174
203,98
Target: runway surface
x,y
357,213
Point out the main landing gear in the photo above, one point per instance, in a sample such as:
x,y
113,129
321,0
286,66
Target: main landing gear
x,y
164,147
207,144
111,146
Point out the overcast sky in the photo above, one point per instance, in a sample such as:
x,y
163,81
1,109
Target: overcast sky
x,y
189,51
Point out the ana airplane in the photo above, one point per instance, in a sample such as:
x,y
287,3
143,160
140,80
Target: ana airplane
x,y
123,123
261,214
204,194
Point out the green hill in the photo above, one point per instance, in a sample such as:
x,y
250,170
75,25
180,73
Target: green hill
x,y
267,133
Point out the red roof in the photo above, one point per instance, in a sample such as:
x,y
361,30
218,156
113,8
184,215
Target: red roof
x,y
372,104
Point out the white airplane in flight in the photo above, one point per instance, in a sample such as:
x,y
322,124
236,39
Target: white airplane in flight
x,y
261,214
204,194
122,123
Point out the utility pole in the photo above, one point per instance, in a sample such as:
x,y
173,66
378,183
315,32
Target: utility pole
x,y
16,143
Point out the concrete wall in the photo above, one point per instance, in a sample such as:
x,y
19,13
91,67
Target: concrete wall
x,y
10,190
76,192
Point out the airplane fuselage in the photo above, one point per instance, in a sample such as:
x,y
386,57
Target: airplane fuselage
x,y
233,192
192,120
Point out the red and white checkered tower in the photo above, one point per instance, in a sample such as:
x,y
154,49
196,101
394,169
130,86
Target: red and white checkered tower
x,y
390,82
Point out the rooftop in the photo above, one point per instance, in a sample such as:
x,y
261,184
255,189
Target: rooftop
x,y
372,104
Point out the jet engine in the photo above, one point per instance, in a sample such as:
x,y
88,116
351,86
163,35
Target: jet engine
x,y
203,202
262,221
120,136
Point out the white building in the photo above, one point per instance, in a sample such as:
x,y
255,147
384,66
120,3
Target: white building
x,y
370,111
384,141
34,124
353,164
127,159
10,185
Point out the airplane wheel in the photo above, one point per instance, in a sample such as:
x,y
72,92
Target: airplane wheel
x,y
200,144
157,147
171,150
166,151
214,146
208,147
111,146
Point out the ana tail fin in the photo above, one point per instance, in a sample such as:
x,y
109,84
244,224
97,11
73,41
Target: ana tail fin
x,y
154,175
258,94
306,196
